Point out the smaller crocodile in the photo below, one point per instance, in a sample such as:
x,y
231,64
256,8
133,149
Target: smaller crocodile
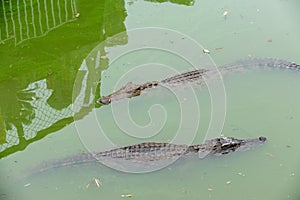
x,y
194,76
132,90
152,152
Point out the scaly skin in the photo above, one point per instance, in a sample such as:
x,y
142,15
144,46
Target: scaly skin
x,y
132,90
127,91
154,151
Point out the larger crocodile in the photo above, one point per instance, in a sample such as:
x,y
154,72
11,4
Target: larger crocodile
x,y
153,151
131,90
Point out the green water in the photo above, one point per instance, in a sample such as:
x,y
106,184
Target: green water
x,y
50,81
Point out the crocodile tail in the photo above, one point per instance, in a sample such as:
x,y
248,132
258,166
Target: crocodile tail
x,y
263,62
62,162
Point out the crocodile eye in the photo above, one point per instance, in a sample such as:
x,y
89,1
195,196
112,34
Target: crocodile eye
x,y
226,146
230,146
262,139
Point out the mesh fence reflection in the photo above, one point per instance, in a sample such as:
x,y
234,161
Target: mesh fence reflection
x,y
37,116
26,19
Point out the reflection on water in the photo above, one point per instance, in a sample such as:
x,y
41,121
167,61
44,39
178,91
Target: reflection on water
x,y
25,19
29,116
42,105
34,106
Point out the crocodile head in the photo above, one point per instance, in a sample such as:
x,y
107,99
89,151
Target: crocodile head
x,y
127,91
226,145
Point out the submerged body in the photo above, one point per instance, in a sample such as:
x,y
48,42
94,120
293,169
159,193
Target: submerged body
x,y
151,152
131,90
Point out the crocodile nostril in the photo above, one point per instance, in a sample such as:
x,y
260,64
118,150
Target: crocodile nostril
x,y
104,101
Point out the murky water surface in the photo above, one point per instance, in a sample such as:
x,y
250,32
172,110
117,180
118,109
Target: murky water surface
x,y
58,57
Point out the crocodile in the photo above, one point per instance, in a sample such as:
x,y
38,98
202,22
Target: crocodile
x,y
155,151
127,91
132,90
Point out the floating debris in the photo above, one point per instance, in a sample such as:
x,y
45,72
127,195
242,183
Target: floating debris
x,y
269,40
241,174
209,189
218,48
97,182
104,57
88,185
225,14
33,98
292,174
77,15
228,182
27,185
270,155
205,51
126,195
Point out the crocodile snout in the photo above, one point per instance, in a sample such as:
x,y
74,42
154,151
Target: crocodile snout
x,y
104,100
